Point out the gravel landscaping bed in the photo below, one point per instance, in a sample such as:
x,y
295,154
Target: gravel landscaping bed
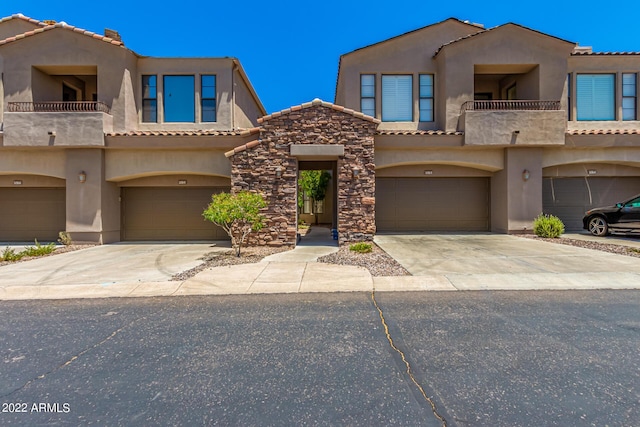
x,y
220,259
59,250
605,247
378,262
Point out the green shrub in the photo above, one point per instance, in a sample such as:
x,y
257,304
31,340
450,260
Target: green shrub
x,y
65,238
38,249
361,247
549,226
10,254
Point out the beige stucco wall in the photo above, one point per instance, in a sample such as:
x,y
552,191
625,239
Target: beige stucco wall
x,y
591,170
515,202
71,129
173,180
511,50
13,27
221,67
409,53
30,181
500,127
431,170
129,164
247,108
615,64
49,162
484,159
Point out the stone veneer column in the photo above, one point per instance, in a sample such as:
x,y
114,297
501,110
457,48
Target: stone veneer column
x,y
255,168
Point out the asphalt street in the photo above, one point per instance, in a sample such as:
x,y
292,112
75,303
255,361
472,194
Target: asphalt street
x,y
482,358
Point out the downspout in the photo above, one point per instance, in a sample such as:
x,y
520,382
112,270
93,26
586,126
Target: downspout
x,y
233,95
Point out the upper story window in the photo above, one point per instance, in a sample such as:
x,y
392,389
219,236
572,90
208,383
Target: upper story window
x,y
179,99
368,94
426,97
208,98
595,95
149,99
397,98
629,96
569,105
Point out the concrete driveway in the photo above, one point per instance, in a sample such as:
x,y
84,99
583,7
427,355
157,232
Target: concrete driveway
x,y
108,264
498,261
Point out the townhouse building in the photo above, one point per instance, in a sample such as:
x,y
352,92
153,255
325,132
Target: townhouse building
x,y
451,127
110,145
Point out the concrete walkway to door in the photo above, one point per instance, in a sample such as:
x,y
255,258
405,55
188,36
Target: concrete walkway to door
x,y
476,261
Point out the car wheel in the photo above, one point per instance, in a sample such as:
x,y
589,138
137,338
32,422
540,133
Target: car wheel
x,y
598,226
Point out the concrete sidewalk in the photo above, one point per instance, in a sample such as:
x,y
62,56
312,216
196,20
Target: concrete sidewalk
x,y
298,271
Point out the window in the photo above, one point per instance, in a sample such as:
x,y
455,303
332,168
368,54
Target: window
x,y
179,99
368,94
595,95
149,99
397,99
208,98
426,97
629,96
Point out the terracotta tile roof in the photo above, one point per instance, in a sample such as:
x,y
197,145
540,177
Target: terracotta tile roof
x,y
243,147
238,132
314,103
493,29
603,53
46,27
605,132
24,18
417,132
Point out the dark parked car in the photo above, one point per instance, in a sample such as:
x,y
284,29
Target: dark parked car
x,y
623,216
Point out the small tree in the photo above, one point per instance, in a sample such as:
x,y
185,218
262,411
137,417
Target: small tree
x,y
314,184
238,214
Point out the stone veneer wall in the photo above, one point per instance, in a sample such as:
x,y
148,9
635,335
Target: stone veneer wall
x,y
255,169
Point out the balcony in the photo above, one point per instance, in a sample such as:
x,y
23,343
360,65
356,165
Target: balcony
x,y
57,106
56,123
518,122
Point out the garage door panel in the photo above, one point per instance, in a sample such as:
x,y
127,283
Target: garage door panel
x,y
32,213
168,214
570,198
432,204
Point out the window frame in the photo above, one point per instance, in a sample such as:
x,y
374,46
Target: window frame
x,y
612,100
372,97
214,99
432,97
633,97
410,103
153,99
165,98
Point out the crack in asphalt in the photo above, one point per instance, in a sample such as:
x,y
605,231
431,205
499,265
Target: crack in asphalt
x,y
72,359
409,371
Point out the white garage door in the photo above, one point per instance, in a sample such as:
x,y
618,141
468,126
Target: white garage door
x,y
432,204
570,198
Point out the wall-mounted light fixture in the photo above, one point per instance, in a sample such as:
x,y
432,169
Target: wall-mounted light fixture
x,y
516,132
526,175
51,133
279,172
355,172
82,177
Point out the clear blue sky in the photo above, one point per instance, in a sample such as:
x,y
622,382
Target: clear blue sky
x,y
290,49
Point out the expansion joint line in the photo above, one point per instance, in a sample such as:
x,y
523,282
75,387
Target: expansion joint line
x,y
406,362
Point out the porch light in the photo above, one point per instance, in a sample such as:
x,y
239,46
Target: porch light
x,y
526,175
52,133
279,172
82,177
355,172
